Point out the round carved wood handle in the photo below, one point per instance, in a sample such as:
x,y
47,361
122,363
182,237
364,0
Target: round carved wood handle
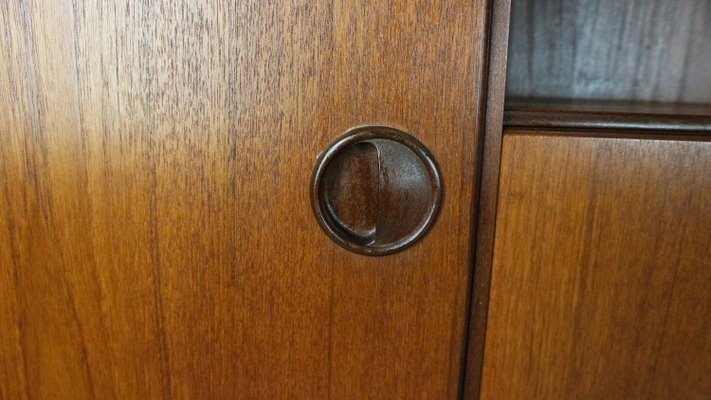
x,y
376,190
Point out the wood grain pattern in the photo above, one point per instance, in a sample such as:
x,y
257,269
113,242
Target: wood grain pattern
x,y
601,270
155,231
607,49
604,114
489,153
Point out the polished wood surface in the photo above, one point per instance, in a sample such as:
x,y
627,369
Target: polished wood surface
x,y
489,153
156,238
650,50
601,270
673,118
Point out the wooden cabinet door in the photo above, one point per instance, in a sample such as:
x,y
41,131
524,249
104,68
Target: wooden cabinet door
x,y
156,237
602,268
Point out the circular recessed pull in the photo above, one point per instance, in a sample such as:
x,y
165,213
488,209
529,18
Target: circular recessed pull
x,y
376,190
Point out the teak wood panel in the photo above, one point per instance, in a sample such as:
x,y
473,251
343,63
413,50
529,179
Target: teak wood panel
x,y
601,271
156,238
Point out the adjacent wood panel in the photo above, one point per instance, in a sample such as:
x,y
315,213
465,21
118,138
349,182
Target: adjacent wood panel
x,y
156,238
608,49
602,268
